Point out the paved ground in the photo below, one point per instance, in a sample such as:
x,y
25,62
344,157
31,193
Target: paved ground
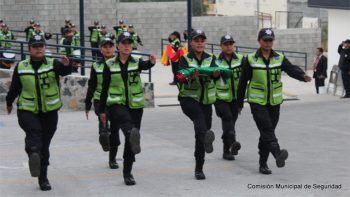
x,y
315,130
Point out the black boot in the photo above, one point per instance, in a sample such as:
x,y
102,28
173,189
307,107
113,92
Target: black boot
x,y
128,177
264,169
112,158
280,155
134,139
235,147
43,181
198,172
263,157
208,141
34,162
104,139
227,155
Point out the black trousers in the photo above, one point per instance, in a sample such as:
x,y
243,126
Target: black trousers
x,y
266,118
127,119
174,69
39,130
319,83
346,82
114,138
201,116
228,113
95,53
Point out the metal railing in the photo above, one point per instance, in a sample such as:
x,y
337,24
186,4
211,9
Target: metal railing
x,y
20,49
216,49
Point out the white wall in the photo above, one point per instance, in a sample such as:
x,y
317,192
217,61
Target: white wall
x,y
338,31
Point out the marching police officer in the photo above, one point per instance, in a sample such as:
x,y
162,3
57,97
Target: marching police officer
x,y
263,69
68,40
103,34
5,34
94,33
112,141
38,31
122,27
28,30
226,95
196,97
35,81
123,94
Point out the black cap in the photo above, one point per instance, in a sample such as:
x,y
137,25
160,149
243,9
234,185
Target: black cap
x,y
1,21
106,40
347,41
66,30
266,33
103,27
36,39
226,38
73,25
67,21
4,25
131,26
37,24
121,21
124,36
31,21
96,22
198,33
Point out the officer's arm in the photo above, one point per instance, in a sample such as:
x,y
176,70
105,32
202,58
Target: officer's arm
x,y
91,89
61,69
15,88
246,75
145,65
183,63
91,28
105,85
292,70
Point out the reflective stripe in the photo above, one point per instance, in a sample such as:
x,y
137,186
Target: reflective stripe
x,y
258,65
25,71
137,99
115,69
211,94
275,65
223,94
99,71
193,65
236,65
192,96
277,94
114,99
53,101
27,104
257,95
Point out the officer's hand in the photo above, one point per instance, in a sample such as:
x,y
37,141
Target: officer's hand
x,y
141,44
216,73
103,119
195,74
87,114
307,78
65,60
9,109
152,59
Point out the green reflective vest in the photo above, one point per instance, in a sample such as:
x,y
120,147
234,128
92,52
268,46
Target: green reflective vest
x,y
265,86
130,94
120,29
40,33
40,90
98,67
76,39
94,35
135,42
5,36
30,33
202,89
227,90
63,49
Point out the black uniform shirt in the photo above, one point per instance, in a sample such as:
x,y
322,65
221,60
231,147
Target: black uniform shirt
x,y
344,60
292,70
92,84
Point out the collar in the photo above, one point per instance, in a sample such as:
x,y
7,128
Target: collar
x,y
192,55
222,56
259,53
130,58
43,60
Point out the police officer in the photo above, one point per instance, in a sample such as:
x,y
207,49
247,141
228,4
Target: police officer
x,y
196,98
226,95
119,29
103,34
112,141
263,69
5,34
135,37
38,31
76,34
67,24
123,94
68,41
94,32
28,30
35,81
344,65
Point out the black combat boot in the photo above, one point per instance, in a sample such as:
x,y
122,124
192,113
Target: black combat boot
x,y
134,139
280,155
34,162
112,158
128,177
199,174
227,155
208,141
43,181
235,147
263,157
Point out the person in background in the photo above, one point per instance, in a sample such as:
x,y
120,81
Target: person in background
x,y
344,65
320,69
